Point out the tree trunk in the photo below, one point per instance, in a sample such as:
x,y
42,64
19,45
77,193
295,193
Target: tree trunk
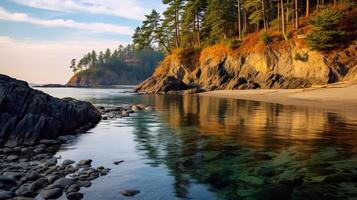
x,y
264,16
296,15
177,27
282,18
198,30
245,22
307,8
239,20
279,23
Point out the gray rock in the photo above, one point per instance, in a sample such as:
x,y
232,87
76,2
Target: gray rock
x,y
85,162
62,183
29,115
73,188
52,193
7,180
84,183
51,162
12,158
14,175
6,194
52,178
75,196
67,162
49,142
69,169
129,193
38,184
32,176
25,191
22,198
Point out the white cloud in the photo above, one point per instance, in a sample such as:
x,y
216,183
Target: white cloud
x,y
130,9
95,27
45,61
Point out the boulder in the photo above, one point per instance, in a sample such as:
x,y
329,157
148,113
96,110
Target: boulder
x,y
52,193
28,116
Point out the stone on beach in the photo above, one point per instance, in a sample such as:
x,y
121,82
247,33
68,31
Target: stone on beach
x,y
52,193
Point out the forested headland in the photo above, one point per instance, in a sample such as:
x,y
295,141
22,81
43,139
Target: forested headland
x,y
123,66
248,44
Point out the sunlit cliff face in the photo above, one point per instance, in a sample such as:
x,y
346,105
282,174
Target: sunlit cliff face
x,y
252,123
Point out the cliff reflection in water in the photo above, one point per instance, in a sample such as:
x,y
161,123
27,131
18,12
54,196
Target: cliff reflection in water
x,y
251,150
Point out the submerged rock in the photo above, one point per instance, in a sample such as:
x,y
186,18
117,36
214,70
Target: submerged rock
x,y
129,193
28,115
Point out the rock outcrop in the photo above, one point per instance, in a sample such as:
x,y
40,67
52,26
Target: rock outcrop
x,y
28,115
280,65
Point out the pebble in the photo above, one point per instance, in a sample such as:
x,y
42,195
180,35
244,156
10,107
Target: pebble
x,y
118,162
67,162
129,193
75,196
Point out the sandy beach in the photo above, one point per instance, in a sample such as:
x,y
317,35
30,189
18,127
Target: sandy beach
x,y
338,97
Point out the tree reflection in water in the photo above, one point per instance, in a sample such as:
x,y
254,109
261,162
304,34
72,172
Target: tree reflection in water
x,y
251,150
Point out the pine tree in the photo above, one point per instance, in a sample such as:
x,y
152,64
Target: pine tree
x,y
94,59
219,20
325,33
107,55
172,19
192,22
151,33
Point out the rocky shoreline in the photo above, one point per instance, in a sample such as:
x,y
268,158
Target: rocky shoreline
x,y
31,171
28,172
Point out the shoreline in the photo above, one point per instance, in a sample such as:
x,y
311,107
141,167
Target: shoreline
x,y
340,96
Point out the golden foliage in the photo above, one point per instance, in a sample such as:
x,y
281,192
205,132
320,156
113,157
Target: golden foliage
x,y
186,57
214,54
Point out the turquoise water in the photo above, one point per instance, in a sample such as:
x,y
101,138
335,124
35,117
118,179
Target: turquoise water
x,y
210,148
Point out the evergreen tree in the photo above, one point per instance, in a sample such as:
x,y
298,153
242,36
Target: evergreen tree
x,y
93,58
219,19
172,19
151,33
192,22
101,58
107,55
325,33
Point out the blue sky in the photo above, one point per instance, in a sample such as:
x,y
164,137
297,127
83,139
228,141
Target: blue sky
x,y
44,35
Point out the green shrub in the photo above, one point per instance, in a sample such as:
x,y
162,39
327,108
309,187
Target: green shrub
x,y
303,58
265,38
233,43
325,33
289,35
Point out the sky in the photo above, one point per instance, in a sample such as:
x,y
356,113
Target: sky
x,y
38,38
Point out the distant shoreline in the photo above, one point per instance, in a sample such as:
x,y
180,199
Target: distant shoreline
x,y
96,87
335,97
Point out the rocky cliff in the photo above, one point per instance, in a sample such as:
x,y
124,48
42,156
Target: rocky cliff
x,y
28,115
280,64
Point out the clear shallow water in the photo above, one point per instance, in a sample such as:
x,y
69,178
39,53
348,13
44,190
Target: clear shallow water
x,y
211,148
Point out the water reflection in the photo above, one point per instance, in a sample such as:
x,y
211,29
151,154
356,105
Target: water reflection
x,y
250,150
